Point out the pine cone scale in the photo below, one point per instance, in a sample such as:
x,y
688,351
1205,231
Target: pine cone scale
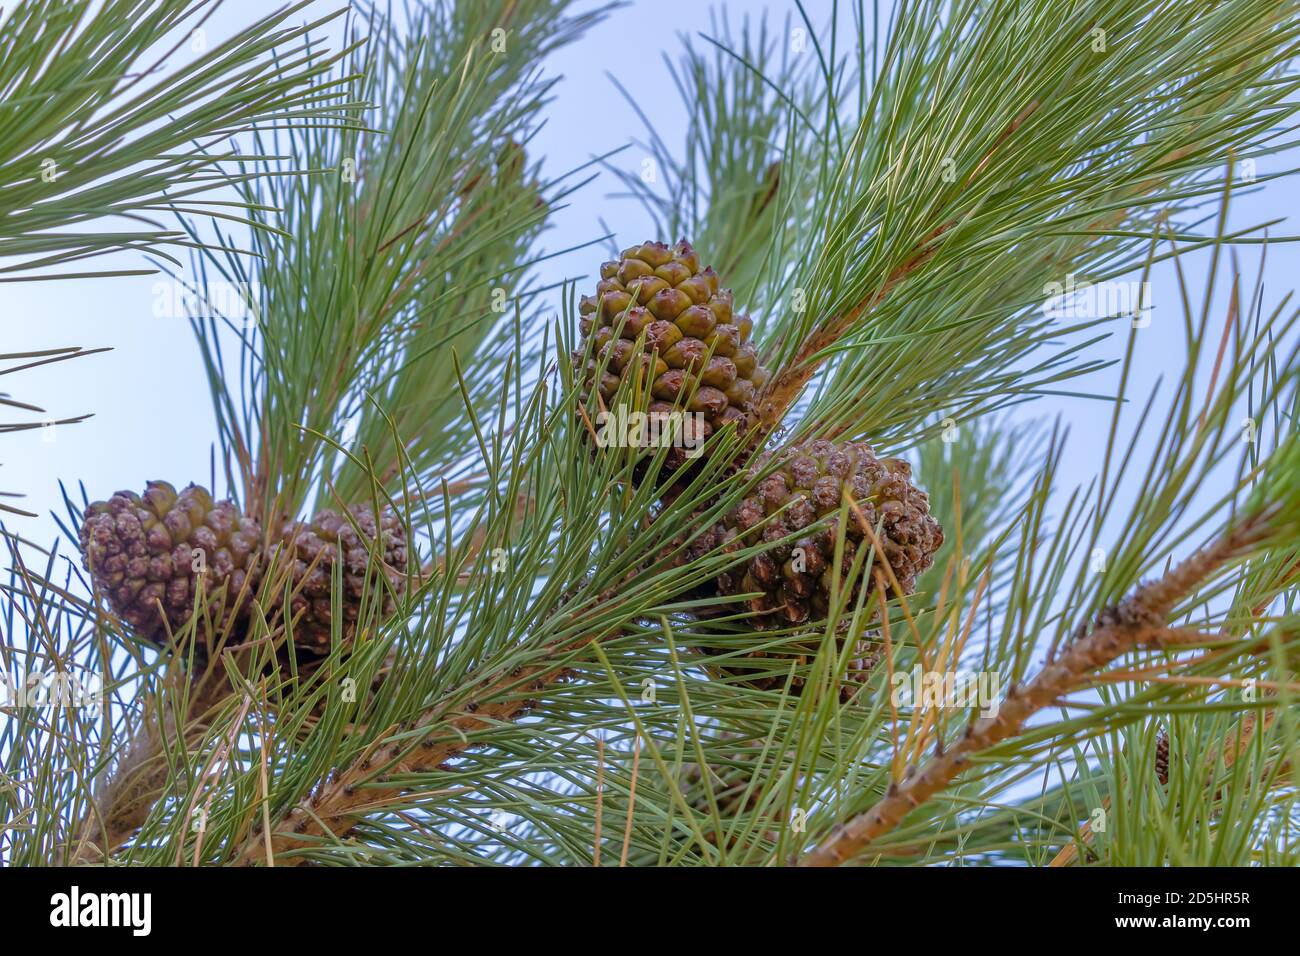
x,y
311,549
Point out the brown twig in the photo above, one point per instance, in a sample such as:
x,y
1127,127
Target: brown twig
x,y
631,801
786,386
1244,732
219,760
338,806
600,799
441,733
788,383
1137,621
127,791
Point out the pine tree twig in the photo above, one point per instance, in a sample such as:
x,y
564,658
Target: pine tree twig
x,y
1233,748
338,806
221,758
441,734
1137,621
787,385
127,791
631,801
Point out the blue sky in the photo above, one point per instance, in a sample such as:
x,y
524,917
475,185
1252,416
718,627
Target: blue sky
x,y
152,416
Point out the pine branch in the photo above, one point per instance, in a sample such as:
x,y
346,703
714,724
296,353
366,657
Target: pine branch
x,y
1232,747
89,131
918,265
402,271
127,791
499,694
787,385
83,137
424,745
1138,621
569,718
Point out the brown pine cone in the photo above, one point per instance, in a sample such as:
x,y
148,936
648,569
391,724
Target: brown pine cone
x,y
150,554
313,548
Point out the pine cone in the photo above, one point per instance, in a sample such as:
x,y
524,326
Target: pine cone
x,y
793,578
1162,758
311,550
150,553
807,486
696,352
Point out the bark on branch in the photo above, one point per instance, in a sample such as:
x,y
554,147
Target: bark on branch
x,y
365,786
1137,621
128,790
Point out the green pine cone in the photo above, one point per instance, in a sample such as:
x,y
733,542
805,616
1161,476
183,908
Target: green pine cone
x,y
696,352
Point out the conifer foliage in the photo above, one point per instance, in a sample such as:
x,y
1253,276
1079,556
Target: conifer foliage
x,y
432,607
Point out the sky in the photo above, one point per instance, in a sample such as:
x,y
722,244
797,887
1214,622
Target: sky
x,y
151,411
